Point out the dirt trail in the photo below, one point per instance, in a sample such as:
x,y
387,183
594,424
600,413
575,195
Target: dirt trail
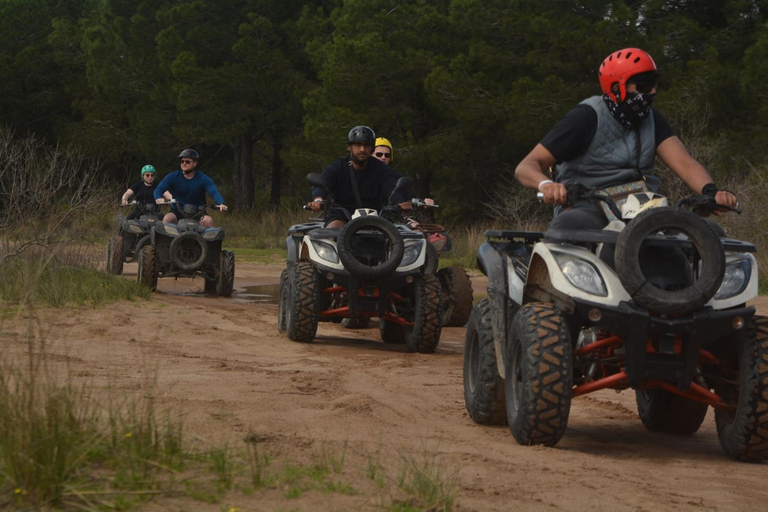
x,y
223,362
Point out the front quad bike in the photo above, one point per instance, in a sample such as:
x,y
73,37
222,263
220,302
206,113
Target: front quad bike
x,y
188,249
371,267
655,302
131,236
455,285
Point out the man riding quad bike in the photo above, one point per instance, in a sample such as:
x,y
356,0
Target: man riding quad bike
x,y
656,302
368,268
132,235
187,249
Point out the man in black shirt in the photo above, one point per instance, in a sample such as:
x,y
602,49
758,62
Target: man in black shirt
x,y
356,180
612,140
143,190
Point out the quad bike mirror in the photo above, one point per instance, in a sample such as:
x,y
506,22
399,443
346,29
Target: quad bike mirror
x,y
402,184
316,180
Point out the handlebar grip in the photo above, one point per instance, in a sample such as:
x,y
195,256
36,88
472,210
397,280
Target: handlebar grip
x,y
540,196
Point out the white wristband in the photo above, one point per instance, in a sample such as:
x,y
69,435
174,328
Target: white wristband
x,y
544,183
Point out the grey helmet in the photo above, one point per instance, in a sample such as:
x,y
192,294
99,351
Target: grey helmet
x,y
361,135
189,153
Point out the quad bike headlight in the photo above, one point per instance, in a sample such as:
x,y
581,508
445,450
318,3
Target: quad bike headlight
x,y
581,274
211,233
171,229
736,278
326,251
411,254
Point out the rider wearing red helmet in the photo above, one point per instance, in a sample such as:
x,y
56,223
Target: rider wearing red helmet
x,y
612,140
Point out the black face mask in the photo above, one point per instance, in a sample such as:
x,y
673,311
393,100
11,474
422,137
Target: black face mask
x,y
633,110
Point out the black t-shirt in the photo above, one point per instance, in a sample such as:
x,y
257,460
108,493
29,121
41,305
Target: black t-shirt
x,y
144,194
573,133
374,183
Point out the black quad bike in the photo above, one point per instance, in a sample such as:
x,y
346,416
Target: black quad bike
x,y
655,302
131,236
188,249
372,267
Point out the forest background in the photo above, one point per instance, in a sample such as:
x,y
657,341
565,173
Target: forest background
x,y
266,90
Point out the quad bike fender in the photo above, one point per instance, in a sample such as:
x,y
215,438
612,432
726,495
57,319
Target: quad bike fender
x,y
308,249
749,290
546,282
292,246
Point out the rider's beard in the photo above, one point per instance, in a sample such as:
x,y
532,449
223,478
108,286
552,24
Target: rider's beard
x,y
358,160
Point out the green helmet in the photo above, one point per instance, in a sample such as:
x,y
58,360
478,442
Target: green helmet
x,y
146,169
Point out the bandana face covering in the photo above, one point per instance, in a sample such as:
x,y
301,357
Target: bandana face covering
x,y
633,110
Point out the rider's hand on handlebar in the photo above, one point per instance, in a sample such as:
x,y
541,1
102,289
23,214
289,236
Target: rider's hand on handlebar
x,y
554,193
316,205
725,198
221,207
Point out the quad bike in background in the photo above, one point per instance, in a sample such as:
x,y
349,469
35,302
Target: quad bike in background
x,y
655,302
131,236
371,267
455,284
187,249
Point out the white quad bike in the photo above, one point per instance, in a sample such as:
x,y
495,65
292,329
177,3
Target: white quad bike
x,y
655,302
371,267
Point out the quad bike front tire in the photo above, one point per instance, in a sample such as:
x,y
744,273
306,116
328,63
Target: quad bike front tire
x,y
188,250
370,273
282,302
538,375
662,411
743,431
703,237
303,307
457,296
225,284
147,272
483,386
422,310
115,255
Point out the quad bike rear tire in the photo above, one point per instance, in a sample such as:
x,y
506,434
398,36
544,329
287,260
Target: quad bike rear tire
x,y
225,284
422,307
662,411
147,272
704,238
303,302
538,375
282,302
483,386
188,250
115,255
743,432
457,296
368,273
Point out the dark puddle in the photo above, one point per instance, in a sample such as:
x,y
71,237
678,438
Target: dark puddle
x,y
261,294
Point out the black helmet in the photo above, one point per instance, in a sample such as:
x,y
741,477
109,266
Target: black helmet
x,y
189,153
361,135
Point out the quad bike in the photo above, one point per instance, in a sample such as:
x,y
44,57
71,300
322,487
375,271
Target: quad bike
x,y
656,302
131,236
454,281
371,267
188,249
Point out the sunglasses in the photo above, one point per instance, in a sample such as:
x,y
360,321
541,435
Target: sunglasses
x,y
382,155
645,82
187,161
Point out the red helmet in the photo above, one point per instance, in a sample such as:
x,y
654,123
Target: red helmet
x,y
619,66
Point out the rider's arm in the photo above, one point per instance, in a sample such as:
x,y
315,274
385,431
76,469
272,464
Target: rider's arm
x,y
213,191
673,153
126,196
162,188
532,173
167,195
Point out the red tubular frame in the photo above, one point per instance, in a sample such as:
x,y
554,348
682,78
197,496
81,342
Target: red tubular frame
x,y
619,380
344,311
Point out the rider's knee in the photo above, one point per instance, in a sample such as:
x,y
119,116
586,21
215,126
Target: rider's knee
x,y
206,221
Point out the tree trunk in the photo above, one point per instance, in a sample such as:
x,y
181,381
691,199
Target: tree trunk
x,y
243,173
277,169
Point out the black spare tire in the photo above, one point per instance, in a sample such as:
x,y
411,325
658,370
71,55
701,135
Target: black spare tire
x,y
361,269
188,250
705,241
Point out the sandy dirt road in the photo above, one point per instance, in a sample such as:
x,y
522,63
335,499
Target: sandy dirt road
x,y
223,363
